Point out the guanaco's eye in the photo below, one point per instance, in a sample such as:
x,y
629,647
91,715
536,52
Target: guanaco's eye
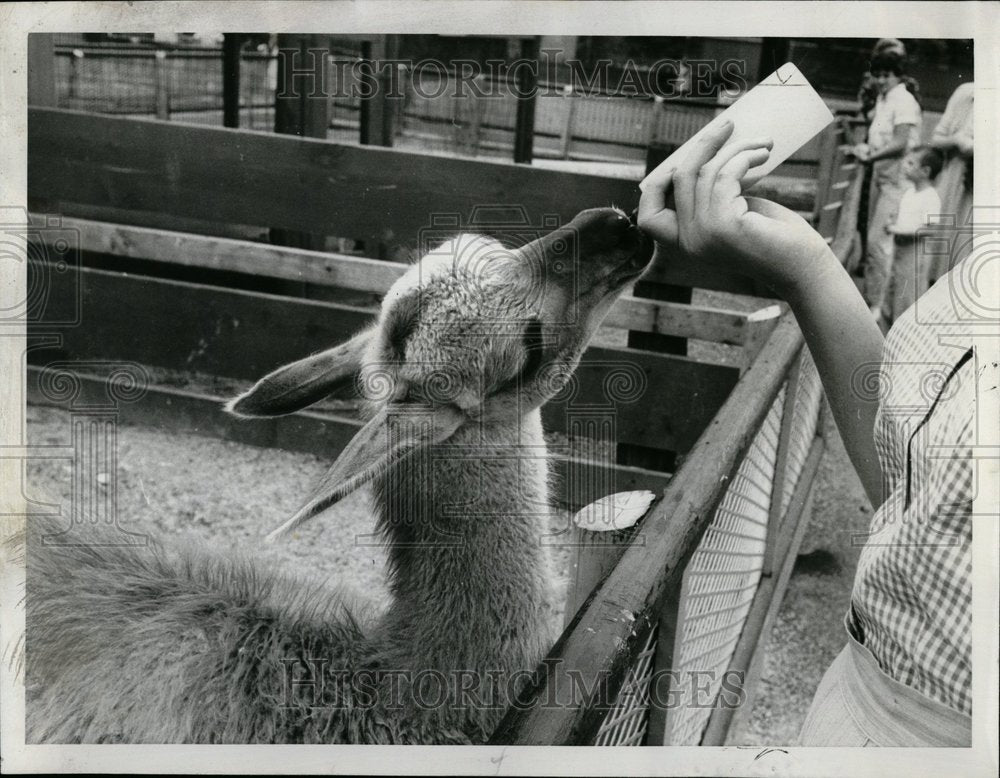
x,y
534,345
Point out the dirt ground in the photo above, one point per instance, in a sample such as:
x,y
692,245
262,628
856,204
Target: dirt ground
x,y
228,495
809,633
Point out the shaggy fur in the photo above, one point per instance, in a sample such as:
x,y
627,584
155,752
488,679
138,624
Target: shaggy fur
x,y
142,645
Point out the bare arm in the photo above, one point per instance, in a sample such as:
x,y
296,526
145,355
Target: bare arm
x,y
950,132
714,223
900,139
846,345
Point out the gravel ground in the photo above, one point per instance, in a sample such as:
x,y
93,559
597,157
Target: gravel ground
x,y
228,495
808,632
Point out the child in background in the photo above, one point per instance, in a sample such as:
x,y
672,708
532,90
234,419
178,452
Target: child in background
x,y
894,130
909,277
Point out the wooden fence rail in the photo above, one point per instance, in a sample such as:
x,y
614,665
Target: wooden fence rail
x,y
150,173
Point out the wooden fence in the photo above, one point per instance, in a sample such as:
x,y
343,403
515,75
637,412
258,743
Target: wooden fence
x,y
438,109
156,283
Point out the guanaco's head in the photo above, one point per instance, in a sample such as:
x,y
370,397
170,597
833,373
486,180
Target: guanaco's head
x,y
474,332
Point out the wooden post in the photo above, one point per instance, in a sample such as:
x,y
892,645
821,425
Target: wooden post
x,y
232,43
774,53
774,516
388,84
667,630
405,97
302,107
302,103
759,325
41,70
161,78
75,64
653,121
527,94
639,456
652,341
478,110
467,118
601,533
567,136
378,117
395,103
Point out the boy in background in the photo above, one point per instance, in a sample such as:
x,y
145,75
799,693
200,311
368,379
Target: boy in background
x,y
920,200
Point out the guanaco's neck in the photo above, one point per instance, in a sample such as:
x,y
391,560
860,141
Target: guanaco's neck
x,y
467,567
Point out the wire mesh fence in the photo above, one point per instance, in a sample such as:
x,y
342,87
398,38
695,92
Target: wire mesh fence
x,y
721,579
627,722
180,84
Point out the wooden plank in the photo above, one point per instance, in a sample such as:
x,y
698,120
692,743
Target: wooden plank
x,y
604,639
244,335
184,326
241,256
245,177
320,433
667,271
701,322
360,274
679,399
150,219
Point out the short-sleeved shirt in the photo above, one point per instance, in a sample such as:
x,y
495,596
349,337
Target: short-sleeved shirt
x,y
911,605
895,107
915,208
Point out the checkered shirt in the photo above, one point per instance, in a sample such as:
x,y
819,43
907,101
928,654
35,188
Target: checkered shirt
x,y
912,600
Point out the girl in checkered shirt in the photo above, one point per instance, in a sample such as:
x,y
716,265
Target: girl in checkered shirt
x,y
904,677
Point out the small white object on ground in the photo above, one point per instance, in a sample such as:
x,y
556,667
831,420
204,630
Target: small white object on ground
x,y
614,512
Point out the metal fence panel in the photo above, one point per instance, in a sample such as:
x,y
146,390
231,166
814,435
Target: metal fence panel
x,y
721,579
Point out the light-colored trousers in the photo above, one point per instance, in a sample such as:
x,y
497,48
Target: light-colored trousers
x,y
908,279
857,704
883,206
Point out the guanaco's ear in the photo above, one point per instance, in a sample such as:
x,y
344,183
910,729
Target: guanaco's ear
x,y
397,430
300,384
